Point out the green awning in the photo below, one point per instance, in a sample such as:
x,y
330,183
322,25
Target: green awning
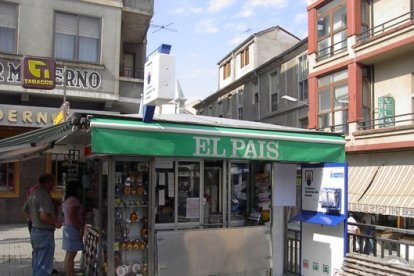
x,y
169,139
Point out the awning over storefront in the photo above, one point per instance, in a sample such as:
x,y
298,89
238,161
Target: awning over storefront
x,y
221,138
182,135
319,218
382,183
27,144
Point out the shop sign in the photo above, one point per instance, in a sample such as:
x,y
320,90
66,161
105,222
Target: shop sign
x,y
10,73
236,148
159,71
26,116
386,111
38,73
167,144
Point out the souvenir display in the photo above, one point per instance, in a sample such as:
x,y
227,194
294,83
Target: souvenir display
x,y
131,213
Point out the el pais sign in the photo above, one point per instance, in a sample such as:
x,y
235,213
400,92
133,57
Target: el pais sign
x,y
42,75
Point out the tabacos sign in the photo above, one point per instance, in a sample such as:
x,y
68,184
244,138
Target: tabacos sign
x,y
38,73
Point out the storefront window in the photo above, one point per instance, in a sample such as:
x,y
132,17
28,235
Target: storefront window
x,y
58,169
250,193
188,192
164,192
177,203
239,189
262,193
9,179
182,200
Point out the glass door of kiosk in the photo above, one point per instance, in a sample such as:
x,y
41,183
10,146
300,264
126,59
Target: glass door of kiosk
x,y
213,194
239,189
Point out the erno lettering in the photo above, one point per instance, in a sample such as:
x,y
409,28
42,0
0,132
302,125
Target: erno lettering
x,y
236,148
10,73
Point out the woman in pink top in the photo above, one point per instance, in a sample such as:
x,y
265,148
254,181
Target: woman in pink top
x,y
74,225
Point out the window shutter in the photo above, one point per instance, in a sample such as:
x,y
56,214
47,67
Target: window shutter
x,y
89,27
8,15
66,24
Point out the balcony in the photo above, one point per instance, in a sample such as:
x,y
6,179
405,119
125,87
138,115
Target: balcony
x,y
390,122
387,133
139,5
326,52
136,17
395,23
386,41
130,72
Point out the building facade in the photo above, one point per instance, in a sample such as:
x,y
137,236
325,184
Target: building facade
x,y
254,91
99,48
361,66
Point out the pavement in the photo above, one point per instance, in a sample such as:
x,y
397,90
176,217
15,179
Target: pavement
x,y
16,252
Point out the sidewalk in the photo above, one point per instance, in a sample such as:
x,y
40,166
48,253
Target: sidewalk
x,y
16,251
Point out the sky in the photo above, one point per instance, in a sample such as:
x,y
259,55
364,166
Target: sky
x,y
202,32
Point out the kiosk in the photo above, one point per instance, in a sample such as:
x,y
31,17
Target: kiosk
x,y
188,195
323,217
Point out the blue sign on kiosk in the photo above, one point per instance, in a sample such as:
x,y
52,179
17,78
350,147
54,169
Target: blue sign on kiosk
x,y
323,217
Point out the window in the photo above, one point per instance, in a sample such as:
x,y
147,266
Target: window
x,y
240,101
366,98
9,179
331,29
240,98
210,111
229,106
244,57
304,123
333,102
220,109
275,101
274,91
177,193
240,113
303,77
59,168
8,27
256,98
365,18
77,37
226,70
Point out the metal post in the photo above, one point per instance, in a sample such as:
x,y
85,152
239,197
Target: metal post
x,y
65,77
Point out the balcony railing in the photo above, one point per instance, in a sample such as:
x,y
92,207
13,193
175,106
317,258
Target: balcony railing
x,y
387,121
385,26
331,50
383,242
130,72
342,128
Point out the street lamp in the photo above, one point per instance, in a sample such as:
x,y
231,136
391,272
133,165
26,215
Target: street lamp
x,y
291,99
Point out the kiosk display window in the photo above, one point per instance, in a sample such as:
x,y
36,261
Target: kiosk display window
x,y
188,187
164,192
240,179
177,192
131,217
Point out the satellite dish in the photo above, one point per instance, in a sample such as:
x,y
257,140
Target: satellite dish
x,y
162,27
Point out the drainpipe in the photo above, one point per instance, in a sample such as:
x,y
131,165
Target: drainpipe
x,y
258,96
